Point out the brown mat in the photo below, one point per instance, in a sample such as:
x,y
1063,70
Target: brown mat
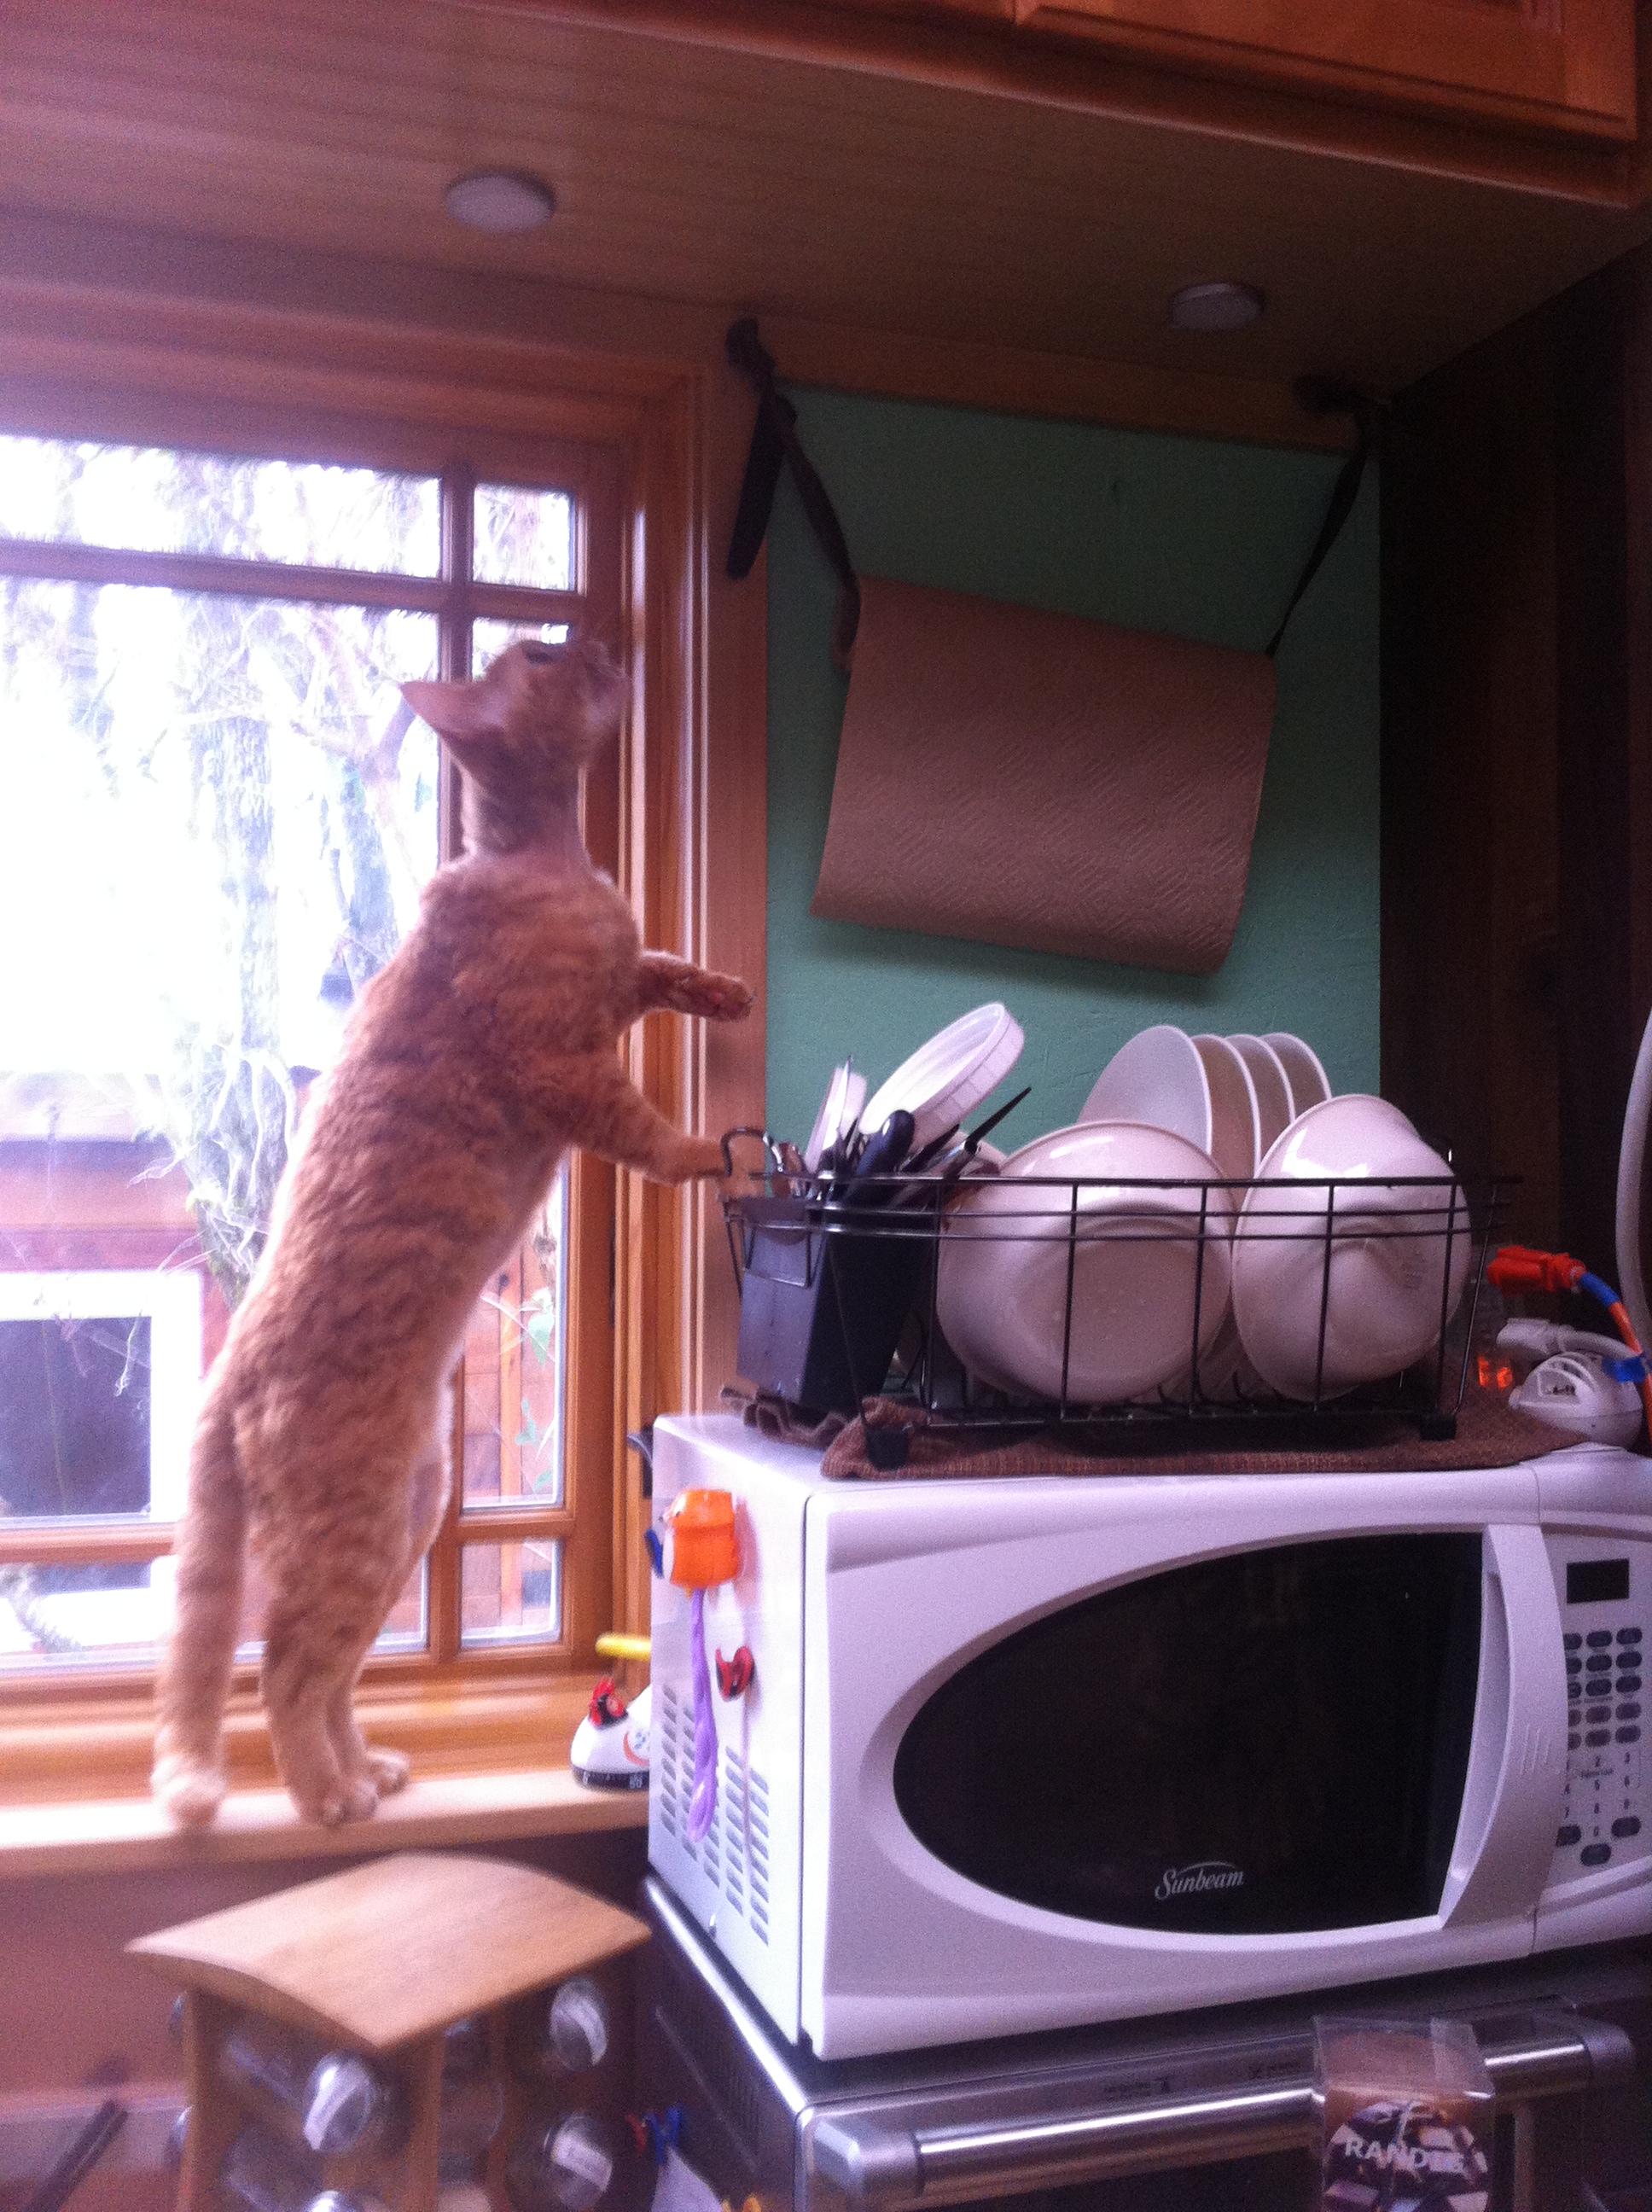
x,y
1055,784
891,1439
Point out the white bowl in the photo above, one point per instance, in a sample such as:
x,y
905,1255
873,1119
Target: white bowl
x,y
1001,1281
1309,1083
1157,1077
1398,1255
948,1077
1275,1109
1235,1119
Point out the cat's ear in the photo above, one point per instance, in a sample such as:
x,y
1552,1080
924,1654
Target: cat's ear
x,y
459,713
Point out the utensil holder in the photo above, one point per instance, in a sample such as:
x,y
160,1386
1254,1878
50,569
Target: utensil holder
x,y
822,1307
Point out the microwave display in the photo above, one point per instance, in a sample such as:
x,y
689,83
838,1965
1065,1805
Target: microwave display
x,y
1273,1742
1596,1581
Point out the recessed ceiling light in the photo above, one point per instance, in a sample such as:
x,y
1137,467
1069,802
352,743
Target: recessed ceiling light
x,y
500,201
1216,306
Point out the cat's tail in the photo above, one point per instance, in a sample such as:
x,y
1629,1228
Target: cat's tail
x,y
188,1776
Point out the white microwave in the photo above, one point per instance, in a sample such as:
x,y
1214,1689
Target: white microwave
x,y
1022,1754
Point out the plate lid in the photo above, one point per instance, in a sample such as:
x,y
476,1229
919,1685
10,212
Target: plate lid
x,y
948,1077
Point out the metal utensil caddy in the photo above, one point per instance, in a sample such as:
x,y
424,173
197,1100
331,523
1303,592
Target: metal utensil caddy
x,y
838,1293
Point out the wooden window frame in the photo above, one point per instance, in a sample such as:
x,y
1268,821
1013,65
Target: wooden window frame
x,y
203,374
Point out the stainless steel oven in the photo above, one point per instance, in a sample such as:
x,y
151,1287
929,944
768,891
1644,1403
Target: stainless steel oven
x,y
1195,2112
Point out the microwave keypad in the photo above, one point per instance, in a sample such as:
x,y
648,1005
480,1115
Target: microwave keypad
x,y
1605,1809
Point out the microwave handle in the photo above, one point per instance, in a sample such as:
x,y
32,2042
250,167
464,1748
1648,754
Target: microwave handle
x,y
869,2164
1516,1773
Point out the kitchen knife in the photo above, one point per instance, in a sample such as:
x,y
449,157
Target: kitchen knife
x,y
972,1142
881,1155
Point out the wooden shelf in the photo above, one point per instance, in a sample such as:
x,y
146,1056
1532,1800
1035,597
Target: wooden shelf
x,y
132,1834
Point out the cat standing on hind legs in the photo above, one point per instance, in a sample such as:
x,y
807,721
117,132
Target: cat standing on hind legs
x,y
475,1059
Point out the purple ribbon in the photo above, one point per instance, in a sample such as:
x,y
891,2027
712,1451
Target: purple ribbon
x,y
702,1805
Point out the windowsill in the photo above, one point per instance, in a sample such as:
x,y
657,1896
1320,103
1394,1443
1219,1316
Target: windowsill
x,y
130,1835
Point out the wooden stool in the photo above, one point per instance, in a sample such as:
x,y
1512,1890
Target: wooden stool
x,y
382,1959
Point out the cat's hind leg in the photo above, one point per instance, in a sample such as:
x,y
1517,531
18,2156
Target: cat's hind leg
x,y
188,1776
328,1601
429,1483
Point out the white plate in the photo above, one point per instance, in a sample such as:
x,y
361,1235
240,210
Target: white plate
x,y
949,1077
1157,1077
1388,1251
1274,1111
1001,1282
1236,1120
1309,1083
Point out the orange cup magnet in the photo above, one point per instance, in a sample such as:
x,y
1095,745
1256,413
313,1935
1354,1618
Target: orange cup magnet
x,y
705,1550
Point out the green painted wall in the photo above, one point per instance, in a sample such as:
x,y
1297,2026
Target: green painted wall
x,y
1174,534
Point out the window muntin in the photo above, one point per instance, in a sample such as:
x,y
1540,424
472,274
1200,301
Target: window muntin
x,y
329,757
161,499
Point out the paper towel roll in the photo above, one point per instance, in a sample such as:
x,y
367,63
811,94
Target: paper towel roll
x,y
1034,779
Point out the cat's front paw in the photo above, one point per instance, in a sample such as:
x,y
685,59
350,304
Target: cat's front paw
x,y
701,1156
725,999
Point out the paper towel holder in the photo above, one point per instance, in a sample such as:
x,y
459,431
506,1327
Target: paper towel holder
x,y
775,444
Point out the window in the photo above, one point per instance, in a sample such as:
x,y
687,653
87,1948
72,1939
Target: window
x,y
229,814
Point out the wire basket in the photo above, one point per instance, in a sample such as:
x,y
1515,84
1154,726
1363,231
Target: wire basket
x,y
1039,1300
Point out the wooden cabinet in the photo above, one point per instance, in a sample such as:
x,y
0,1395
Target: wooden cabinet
x,y
1555,64
1548,67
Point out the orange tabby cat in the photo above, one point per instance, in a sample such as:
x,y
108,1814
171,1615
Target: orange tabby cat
x,y
482,1051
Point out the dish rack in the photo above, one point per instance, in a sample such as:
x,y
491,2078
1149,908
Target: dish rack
x,y
839,1285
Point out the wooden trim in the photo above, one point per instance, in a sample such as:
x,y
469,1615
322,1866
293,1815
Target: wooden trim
x,y
958,372
509,1707
131,1835
83,1543
515,1524
247,580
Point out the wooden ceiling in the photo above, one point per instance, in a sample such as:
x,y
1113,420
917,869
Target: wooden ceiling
x,y
790,187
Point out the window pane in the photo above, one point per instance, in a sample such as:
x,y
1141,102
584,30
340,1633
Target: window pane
x,y
149,499
99,1374
490,638
229,815
512,1593
515,1372
52,1617
523,537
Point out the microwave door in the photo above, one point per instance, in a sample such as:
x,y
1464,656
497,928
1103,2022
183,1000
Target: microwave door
x,y
1271,1742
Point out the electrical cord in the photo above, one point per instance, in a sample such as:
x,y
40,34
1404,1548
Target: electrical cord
x,y
1631,1164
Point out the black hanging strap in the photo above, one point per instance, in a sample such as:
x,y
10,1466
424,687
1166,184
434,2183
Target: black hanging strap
x,y
774,443
774,440
1323,396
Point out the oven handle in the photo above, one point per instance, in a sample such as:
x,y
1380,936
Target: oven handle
x,y
887,2167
